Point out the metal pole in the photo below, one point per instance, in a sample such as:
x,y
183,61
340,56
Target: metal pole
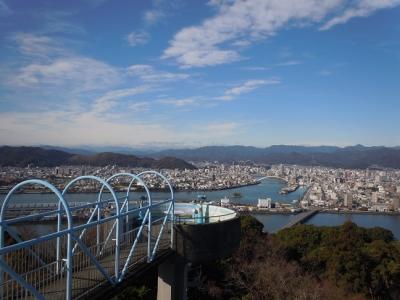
x,y
98,227
1,259
127,216
58,245
117,244
149,232
172,222
69,263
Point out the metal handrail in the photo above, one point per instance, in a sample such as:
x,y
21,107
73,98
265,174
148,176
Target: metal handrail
x,y
34,276
206,219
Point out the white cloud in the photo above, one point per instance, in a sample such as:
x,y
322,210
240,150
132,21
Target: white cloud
x,y
137,38
80,128
106,102
227,126
246,87
221,130
325,73
4,9
77,128
74,73
153,16
289,63
256,68
161,9
179,102
361,8
148,73
245,22
38,46
139,106
47,64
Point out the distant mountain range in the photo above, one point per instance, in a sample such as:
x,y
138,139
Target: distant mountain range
x,y
357,156
42,157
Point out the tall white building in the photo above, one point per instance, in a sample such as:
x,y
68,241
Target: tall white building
x,y
396,203
348,200
374,197
264,203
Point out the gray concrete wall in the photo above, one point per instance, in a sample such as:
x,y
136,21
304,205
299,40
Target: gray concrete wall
x,y
172,279
204,242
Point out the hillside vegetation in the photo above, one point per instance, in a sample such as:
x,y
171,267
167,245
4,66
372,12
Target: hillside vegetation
x,y
307,262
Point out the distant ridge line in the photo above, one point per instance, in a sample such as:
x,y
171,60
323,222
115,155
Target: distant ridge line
x,y
41,157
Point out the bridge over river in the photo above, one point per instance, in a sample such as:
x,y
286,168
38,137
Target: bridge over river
x,y
301,218
93,247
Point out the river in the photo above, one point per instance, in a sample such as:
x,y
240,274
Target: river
x,y
269,187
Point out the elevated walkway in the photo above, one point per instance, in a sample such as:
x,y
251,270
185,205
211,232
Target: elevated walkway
x,y
76,259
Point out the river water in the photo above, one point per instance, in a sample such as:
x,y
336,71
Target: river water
x,y
250,194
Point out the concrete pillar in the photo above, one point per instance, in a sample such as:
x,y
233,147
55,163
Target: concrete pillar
x,y
172,279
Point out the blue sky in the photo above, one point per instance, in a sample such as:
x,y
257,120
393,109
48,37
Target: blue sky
x,y
193,73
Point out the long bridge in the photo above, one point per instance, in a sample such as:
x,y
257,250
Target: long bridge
x,y
301,218
93,247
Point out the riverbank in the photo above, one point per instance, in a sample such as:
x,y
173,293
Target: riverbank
x,y
123,189
361,212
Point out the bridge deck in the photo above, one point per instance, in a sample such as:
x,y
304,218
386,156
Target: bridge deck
x,y
86,277
300,218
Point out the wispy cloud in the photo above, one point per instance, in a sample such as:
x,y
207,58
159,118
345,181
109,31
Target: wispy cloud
x,y
325,73
139,106
179,102
81,128
137,38
4,9
256,68
245,22
360,8
149,73
153,16
289,63
48,64
246,87
223,128
75,73
59,22
38,46
161,9
106,102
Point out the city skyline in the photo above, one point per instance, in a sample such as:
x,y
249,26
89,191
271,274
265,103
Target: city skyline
x,y
180,74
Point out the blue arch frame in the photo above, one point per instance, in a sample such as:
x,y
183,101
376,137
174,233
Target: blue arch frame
x,y
73,229
69,262
151,172
117,220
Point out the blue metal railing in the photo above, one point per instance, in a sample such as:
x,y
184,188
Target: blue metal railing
x,y
76,258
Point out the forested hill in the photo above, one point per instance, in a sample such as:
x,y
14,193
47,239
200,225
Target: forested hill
x,y
36,156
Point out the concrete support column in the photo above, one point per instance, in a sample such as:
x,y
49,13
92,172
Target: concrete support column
x,y
172,279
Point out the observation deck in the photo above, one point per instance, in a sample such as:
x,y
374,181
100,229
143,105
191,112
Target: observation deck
x,y
205,232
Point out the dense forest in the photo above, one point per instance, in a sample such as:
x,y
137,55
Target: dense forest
x,y
302,262
307,262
